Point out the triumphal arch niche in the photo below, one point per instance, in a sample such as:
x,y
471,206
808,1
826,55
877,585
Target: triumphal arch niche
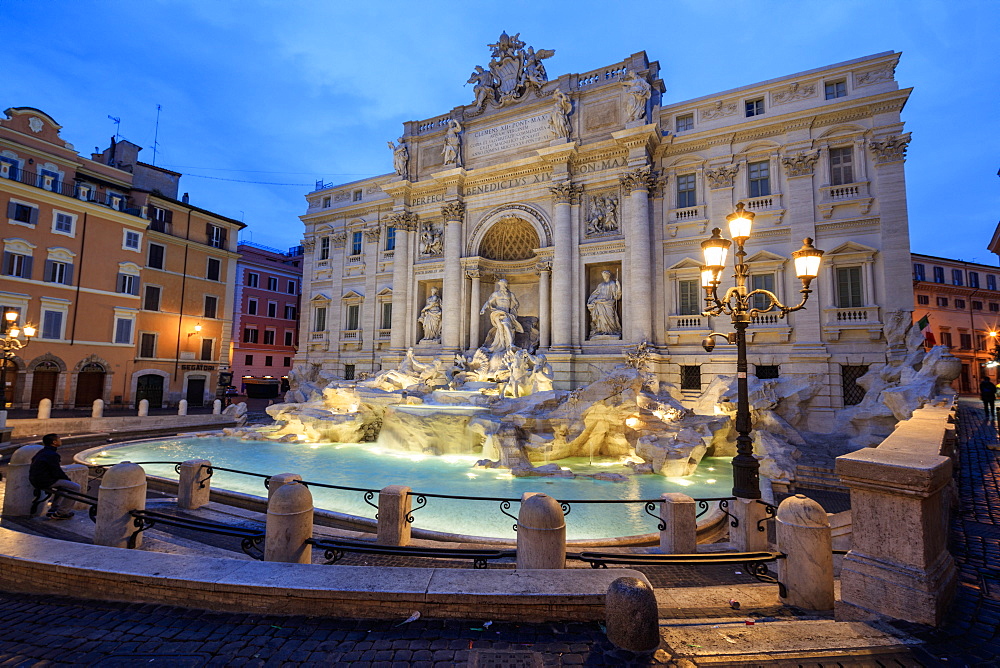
x,y
587,196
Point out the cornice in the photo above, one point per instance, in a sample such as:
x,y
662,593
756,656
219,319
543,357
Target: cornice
x,y
847,225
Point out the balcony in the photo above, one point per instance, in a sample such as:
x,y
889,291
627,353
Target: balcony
x,y
847,193
688,322
350,335
860,318
769,327
384,334
689,214
85,192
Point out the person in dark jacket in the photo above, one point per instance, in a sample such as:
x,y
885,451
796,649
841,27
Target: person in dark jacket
x,y
988,393
46,472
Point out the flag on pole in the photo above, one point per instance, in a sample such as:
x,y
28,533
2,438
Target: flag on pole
x,y
923,322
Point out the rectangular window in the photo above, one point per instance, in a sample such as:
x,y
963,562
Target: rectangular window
x,y
965,340
22,213
151,302
688,298
852,392
685,122
835,89
214,269
160,219
206,349
319,322
939,274
973,279
691,377
268,360
994,307
977,306
156,255
980,342
52,324
946,339
991,282
960,303
923,300
386,315
290,312
686,194
272,283
132,240
759,175
841,166
291,288
251,306
269,337
58,272
348,372
123,330
248,360
390,238
9,168
849,289
211,306
253,280
324,248
942,302
766,371
353,313
147,344
272,309
63,223
356,243
128,284
761,282
326,202
754,107
289,337
357,196
287,361
16,264
956,277
918,272
249,335
216,236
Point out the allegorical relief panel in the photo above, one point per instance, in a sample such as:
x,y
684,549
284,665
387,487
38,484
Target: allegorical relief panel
x,y
431,240
602,214
601,115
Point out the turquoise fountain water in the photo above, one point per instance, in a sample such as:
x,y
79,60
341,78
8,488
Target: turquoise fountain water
x,y
366,465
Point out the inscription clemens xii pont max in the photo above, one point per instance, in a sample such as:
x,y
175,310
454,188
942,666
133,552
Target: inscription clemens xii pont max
x,y
516,134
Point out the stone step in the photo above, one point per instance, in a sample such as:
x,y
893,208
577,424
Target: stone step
x,y
811,476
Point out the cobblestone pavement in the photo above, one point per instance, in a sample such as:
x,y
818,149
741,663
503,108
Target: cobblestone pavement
x,y
38,630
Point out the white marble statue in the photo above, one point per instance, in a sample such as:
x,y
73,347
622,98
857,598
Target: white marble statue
x,y
637,92
603,215
400,157
559,117
502,306
430,317
603,307
430,241
452,150
541,374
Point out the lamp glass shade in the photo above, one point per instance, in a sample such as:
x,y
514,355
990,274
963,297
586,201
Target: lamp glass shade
x,y
807,259
715,250
10,316
707,277
739,226
197,328
14,332
29,331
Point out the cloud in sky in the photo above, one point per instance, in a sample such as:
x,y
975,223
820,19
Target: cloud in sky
x,y
295,91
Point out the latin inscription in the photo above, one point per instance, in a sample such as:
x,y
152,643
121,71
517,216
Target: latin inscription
x,y
516,134
598,166
506,184
427,199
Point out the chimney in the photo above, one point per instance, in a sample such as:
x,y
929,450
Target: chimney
x,y
185,198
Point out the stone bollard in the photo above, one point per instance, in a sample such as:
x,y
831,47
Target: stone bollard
x,y
19,494
193,485
45,409
680,531
123,489
276,481
394,506
79,474
746,537
3,418
541,532
631,616
289,525
144,408
97,411
182,407
217,407
803,533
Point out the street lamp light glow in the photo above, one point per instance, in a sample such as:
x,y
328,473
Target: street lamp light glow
x,y
740,223
715,250
807,260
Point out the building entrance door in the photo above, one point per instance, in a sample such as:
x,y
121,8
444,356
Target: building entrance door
x,y
150,388
196,392
89,384
43,382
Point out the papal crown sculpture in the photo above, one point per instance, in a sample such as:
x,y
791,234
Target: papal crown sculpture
x,y
512,72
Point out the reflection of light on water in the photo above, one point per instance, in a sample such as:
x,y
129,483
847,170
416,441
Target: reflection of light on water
x,y
459,459
711,468
604,464
505,476
314,446
711,481
471,475
564,468
683,482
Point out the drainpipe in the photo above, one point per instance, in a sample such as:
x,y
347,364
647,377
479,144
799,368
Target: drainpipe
x,y
79,277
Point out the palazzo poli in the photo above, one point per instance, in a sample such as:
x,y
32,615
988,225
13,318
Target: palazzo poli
x,y
590,195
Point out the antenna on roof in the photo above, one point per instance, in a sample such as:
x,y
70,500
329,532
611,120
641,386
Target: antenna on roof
x,y
156,134
118,126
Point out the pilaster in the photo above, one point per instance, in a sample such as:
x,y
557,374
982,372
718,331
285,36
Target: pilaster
x,y
454,213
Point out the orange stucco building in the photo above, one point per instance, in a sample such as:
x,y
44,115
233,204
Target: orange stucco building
x,y
129,287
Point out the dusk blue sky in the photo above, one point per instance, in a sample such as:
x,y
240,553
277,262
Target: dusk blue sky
x,y
289,92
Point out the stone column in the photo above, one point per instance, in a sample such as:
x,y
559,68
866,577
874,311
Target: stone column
x,y
289,525
451,296
394,507
747,537
193,485
565,194
18,492
404,224
541,532
639,283
123,489
474,275
803,534
544,270
680,524
217,407
277,481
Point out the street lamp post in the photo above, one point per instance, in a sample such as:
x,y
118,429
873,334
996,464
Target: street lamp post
x,y
14,338
737,303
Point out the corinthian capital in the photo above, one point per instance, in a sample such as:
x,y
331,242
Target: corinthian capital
x,y
372,234
890,149
404,221
565,193
641,178
308,244
801,164
453,211
722,177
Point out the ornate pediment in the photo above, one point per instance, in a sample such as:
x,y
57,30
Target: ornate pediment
x,y
512,72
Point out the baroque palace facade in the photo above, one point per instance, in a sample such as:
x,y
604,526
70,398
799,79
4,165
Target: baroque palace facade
x,y
590,195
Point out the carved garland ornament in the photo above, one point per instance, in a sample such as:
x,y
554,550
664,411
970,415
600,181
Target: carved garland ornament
x,y
890,149
722,177
801,164
793,93
453,211
719,110
565,193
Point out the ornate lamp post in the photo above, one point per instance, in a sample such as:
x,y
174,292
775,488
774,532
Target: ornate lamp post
x,y
11,340
737,303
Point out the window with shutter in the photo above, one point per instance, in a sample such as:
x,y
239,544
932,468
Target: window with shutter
x,y
152,300
52,324
123,330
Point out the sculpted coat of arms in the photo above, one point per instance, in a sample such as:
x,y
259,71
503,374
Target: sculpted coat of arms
x,y
513,71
